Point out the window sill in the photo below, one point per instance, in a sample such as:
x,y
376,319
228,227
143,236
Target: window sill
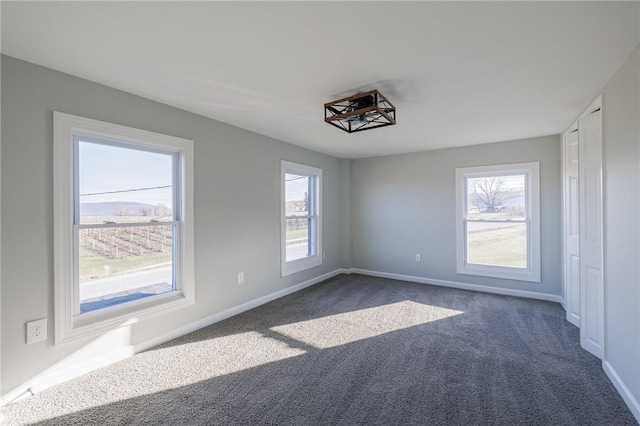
x,y
518,274
295,266
93,323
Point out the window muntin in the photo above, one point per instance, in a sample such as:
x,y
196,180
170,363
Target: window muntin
x,y
498,221
123,211
301,224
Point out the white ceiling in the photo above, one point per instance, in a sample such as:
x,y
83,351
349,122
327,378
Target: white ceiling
x,y
459,73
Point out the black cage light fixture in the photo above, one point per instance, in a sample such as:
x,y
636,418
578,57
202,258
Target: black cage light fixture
x,y
362,111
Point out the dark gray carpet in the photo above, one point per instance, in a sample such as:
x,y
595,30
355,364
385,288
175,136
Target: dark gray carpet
x,y
353,350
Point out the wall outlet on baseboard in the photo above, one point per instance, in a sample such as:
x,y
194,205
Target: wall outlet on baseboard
x,y
240,278
418,258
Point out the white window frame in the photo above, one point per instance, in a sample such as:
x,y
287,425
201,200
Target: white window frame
x,y
69,324
298,265
532,219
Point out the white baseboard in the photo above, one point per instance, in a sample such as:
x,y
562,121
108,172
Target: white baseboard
x,y
55,376
228,313
563,303
622,389
573,320
462,286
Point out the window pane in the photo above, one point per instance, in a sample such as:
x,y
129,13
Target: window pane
x,y
497,244
297,239
118,265
496,197
121,185
297,194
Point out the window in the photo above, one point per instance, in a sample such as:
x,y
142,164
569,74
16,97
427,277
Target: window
x,y
498,221
123,208
301,227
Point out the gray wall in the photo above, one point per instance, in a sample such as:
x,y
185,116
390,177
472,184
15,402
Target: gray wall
x,y
621,174
406,204
237,196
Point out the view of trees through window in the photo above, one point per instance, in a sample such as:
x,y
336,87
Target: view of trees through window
x,y
496,223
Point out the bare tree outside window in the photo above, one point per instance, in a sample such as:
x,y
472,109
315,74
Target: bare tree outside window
x,y
496,197
495,234
489,191
498,231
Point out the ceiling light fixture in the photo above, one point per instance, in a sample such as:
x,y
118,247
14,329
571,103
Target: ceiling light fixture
x,y
359,112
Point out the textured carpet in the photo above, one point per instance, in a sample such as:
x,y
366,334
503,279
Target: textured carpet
x,y
353,350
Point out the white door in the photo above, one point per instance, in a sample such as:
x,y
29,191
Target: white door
x,y
591,274
571,226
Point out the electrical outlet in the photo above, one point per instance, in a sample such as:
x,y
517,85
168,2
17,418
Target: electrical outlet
x,y
36,331
240,278
418,258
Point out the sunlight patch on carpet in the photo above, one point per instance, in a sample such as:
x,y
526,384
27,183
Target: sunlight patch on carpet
x,y
340,329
